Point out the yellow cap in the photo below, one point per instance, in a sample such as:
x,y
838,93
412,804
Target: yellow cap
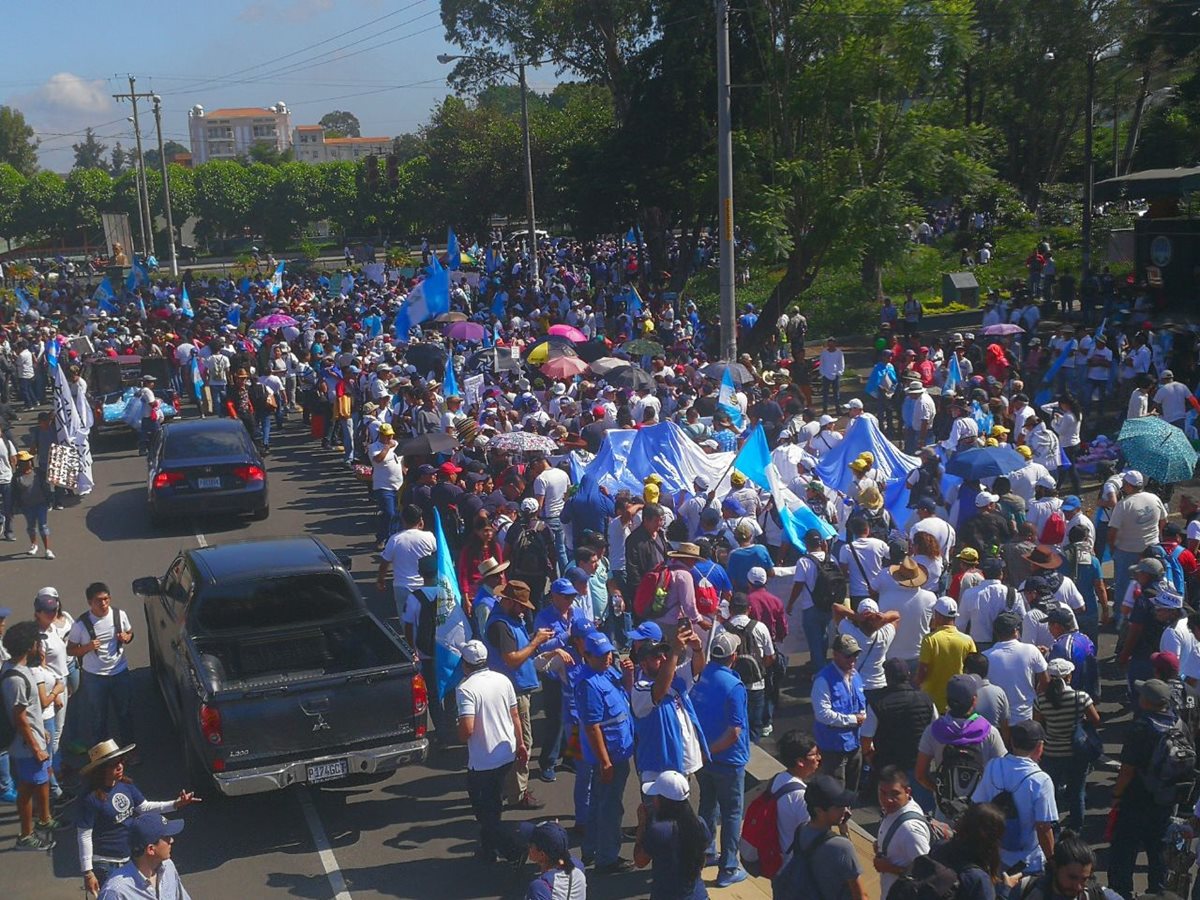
x,y
736,478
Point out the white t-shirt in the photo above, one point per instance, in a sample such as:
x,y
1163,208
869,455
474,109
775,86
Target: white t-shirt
x,y
45,677
980,605
110,658
7,451
874,652
908,841
863,559
490,698
404,550
1015,667
386,475
915,606
1136,519
553,485
56,652
1172,397
1099,364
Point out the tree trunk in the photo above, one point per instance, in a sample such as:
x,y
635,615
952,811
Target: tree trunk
x,y
872,277
796,280
1135,126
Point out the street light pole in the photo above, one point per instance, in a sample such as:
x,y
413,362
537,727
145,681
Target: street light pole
x,y
162,161
725,187
533,260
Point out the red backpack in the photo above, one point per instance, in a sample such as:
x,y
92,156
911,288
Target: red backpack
x,y
708,598
1055,529
760,828
650,598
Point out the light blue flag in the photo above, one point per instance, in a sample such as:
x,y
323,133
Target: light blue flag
x,y
276,284
233,315
403,323
451,627
453,255
1047,392
633,236
104,297
141,308
633,302
22,301
185,304
954,375
500,304
1100,330
52,353
244,284
754,461
347,284
489,261
198,380
131,281
450,380
725,399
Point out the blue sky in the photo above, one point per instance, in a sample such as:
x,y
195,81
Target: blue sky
x,y
221,53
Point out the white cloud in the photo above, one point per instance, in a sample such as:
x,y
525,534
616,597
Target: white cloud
x,y
68,93
63,105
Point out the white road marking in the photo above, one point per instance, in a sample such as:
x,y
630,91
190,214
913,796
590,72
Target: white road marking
x,y
329,862
321,841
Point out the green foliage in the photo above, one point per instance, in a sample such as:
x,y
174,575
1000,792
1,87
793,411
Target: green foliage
x,y
12,183
340,123
89,153
89,193
44,205
18,147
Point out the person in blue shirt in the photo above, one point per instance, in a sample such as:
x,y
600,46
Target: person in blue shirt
x,y
560,875
746,557
1075,647
839,710
556,616
668,733
606,737
722,707
150,871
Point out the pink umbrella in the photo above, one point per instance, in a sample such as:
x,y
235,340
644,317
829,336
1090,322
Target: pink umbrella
x,y
565,367
464,331
570,332
1003,328
275,320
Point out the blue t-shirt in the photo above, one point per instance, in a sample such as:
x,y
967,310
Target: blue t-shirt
x,y
742,560
662,842
106,817
715,573
720,700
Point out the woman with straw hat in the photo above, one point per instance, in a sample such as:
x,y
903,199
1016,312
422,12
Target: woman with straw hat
x,y
110,801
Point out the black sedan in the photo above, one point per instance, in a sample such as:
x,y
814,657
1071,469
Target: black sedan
x,y
205,466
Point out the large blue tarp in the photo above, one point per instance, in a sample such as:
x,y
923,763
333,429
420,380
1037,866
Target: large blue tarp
x,y
890,463
627,456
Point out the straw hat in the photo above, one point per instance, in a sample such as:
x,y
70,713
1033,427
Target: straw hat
x,y
105,752
491,566
871,498
685,551
909,573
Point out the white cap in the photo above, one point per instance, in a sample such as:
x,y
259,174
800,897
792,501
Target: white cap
x,y
757,575
529,505
1134,478
473,653
983,498
867,605
668,785
826,420
854,404
47,592
701,482
1060,668
945,606
1046,481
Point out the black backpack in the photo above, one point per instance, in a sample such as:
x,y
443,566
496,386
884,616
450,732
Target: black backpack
x,y
529,549
89,622
956,778
928,879
795,881
1172,769
747,665
8,728
258,397
830,586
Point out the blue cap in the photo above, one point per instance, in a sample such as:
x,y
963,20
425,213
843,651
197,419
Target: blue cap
x,y
5,612
733,505
1071,502
575,573
563,586
549,837
647,631
150,828
581,627
598,644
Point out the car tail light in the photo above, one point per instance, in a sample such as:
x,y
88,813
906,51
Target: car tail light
x,y
210,723
168,479
420,703
218,765
249,473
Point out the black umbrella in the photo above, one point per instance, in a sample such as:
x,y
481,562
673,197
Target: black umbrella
x,y
632,377
428,444
591,350
426,358
740,374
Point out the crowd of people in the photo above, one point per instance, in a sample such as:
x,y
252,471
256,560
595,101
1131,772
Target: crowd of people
x,y
948,643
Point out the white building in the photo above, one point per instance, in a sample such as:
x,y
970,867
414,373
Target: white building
x,y
312,146
230,133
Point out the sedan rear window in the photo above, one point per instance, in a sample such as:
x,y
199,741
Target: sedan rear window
x,y
199,444
276,602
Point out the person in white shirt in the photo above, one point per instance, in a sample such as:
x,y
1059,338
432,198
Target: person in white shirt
x,y
982,603
1024,480
1043,505
387,477
1139,399
1072,510
8,467
799,753
98,640
929,522
831,364
1099,364
904,832
862,559
874,632
826,438
402,554
1018,669
901,590
1172,398
550,488
490,726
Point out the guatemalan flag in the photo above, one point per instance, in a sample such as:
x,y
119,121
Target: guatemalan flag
x,y
104,297
451,628
428,299
276,284
727,401
754,461
185,304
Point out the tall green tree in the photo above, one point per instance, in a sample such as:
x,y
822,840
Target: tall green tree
x,y
223,196
44,206
18,147
340,123
12,183
118,160
89,192
171,148
89,153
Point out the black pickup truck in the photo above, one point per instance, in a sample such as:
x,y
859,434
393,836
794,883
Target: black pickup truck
x,y
274,671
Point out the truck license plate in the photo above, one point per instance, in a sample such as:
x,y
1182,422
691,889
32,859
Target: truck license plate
x,y
209,484
328,771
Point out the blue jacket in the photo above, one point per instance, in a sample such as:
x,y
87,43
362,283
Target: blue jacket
x,y
659,734
600,699
719,699
524,678
548,617
848,699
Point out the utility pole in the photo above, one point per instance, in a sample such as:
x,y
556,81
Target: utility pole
x,y
725,187
162,161
1089,164
533,260
147,223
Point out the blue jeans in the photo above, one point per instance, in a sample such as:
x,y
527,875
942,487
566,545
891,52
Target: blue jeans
x,y
757,712
816,630
555,525
37,520
346,430
28,392
6,779
218,398
149,436
583,790
1122,560
264,425
1070,777
94,699
834,386
6,508
552,742
485,790
389,521
602,838
723,787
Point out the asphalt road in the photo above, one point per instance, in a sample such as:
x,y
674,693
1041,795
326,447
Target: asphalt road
x,y
407,835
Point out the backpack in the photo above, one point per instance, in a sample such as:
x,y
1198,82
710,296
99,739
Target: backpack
x,y
258,397
795,881
8,728
1006,801
1174,568
956,778
927,879
650,598
1055,529
708,598
760,829
747,665
939,832
89,621
830,587
1172,769
529,549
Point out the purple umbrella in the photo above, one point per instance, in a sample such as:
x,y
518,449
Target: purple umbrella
x,y
275,320
1003,328
465,331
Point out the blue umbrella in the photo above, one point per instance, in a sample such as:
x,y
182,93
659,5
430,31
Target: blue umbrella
x,y
985,462
1157,449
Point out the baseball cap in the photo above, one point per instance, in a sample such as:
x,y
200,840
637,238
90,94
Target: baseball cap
x,y
1046,481
563,586
575,574
151,828
945,606
846,645
669,785
854,404
724,645
1061,616
581,628
733,505
1026,735
449,468
927,504
549,837
1025,451
5,612
867,605
1168,600
1151,567
529,505
1154,690
968,554
701,482
824,792
1134,478
647,631
961,691
983,498
826,420
598,644
1060,668
743,532
426,469
1071,503
473,653
47,601
757,575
